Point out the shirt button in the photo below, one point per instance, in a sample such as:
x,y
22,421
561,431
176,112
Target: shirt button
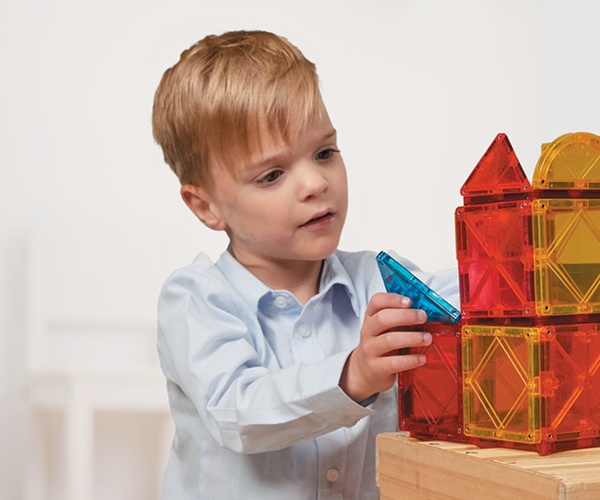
x,y
304,330
281,302
332,475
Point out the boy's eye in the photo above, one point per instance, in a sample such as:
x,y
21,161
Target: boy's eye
x,y
326,154
272,176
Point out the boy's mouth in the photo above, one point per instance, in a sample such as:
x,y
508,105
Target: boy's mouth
x,y
320,219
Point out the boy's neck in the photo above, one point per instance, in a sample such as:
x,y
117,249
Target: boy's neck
x,y
301,278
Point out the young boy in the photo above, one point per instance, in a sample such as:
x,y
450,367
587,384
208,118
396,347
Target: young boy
x,y
279,358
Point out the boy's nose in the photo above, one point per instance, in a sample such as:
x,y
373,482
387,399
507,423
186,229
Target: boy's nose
x,y
313,182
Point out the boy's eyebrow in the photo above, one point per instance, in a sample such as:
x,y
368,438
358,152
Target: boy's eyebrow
x,y
274,158
330,135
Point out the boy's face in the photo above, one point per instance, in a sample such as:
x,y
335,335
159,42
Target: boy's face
x,y
290,203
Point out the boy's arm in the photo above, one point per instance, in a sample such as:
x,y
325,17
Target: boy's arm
x,y
373,365
223,374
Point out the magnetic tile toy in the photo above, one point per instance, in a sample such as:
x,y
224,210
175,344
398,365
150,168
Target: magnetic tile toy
x,y
499,172
528,355
567,256
572,161
495,259
537,387
430,396
398,279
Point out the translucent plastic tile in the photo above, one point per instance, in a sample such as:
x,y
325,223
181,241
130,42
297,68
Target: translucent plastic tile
x,y
500,369
570,381
567,256
399,280
532,388
572,161
499,172
430,397
495,259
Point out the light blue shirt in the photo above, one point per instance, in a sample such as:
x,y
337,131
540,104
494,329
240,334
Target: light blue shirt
x,y
253,377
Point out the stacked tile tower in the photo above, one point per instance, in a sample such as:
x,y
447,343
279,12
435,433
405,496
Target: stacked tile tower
x,y
522,367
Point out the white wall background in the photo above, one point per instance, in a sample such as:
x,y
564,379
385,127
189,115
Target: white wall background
x,y
416,89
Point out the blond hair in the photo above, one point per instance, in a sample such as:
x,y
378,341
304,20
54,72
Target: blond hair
x,y
210,106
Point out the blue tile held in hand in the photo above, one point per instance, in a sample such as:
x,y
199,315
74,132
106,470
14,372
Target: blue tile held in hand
x,y
398,279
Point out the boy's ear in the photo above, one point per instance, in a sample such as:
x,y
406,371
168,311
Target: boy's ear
x,y
199,202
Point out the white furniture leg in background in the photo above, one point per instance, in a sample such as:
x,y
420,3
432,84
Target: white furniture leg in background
x,y
79,443
91,311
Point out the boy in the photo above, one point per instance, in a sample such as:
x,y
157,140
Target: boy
x,y
279,357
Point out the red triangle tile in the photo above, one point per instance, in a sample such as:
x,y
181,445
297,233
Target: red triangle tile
x,y
499,172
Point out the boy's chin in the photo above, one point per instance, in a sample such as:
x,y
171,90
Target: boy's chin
x,y
322,253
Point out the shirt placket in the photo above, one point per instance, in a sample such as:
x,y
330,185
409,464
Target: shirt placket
x,y
332,464
331,447
305,344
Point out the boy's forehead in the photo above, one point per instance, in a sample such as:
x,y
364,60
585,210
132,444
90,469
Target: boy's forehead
x,y
263,141
261,150
266,144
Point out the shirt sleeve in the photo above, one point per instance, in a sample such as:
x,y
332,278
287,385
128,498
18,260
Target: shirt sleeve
x,y
222,370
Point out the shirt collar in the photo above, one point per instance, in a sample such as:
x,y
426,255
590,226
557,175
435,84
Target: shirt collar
x,y
252,290
248,286
335,274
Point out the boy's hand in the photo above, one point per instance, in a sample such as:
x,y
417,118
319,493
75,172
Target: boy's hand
x,y
373,365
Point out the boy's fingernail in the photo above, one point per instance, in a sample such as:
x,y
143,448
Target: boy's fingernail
x,y
405,301
422,315
426,338
422,359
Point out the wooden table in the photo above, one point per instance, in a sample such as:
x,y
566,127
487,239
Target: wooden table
x,y
409,469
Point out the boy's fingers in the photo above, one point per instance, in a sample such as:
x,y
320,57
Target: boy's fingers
x,y
380,301
392,341
387,319
400,363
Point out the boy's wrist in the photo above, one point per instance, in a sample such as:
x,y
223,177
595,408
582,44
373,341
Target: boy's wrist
x,y
353,384
369,401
